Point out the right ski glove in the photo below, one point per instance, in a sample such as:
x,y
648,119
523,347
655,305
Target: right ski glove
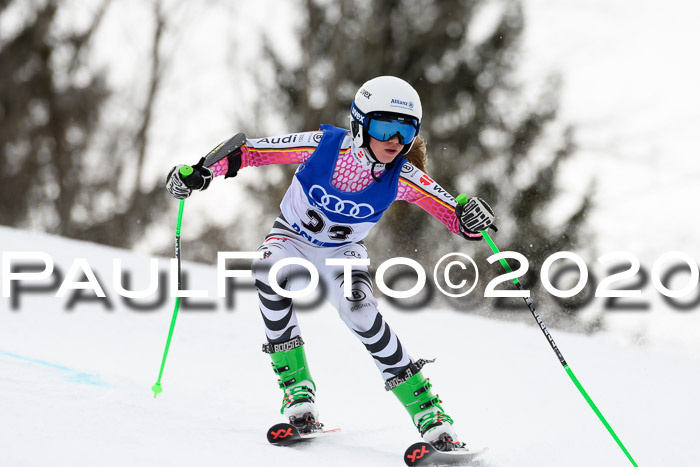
x,y
474,216
182,188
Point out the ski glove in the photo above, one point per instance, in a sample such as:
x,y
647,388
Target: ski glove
x,y
474,217
182,188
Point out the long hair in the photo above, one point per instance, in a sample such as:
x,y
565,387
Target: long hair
x,y
418,155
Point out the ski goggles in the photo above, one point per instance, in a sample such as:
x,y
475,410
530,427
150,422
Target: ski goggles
x,y
383,127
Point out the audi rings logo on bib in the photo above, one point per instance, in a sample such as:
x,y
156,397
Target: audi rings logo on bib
x,y
337,205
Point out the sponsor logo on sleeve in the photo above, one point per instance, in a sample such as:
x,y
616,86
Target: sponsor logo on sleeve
x,y
293,139
425,180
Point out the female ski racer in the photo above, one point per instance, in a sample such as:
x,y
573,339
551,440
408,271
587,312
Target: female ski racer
x,y
344,183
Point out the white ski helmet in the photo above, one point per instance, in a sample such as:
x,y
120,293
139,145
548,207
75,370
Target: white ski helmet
x,y
384,107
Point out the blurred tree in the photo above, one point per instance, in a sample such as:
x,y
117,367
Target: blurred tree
x,y
55,176
46,119
483,137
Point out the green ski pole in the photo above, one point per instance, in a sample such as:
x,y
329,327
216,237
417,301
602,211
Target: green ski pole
x,y
185,171
462,199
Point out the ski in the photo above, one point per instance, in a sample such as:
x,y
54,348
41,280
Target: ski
x,y
422,453
285,434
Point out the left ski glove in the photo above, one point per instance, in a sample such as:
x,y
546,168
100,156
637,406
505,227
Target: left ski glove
x,y
182,188
474,216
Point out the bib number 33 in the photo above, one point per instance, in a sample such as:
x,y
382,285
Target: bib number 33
x,y
316,224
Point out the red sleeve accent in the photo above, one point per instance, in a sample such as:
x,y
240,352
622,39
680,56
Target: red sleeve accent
x,y
440,209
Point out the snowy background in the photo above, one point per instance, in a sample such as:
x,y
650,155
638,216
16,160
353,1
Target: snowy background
x,y
75,385
629,87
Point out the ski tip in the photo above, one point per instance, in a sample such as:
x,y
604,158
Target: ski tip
x,y
282,433
423,453
418,453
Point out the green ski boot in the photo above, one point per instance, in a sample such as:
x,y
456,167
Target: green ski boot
x,y
413,391
298,402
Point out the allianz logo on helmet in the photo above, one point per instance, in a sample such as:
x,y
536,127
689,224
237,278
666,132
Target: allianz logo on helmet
x,y
408,104
338,205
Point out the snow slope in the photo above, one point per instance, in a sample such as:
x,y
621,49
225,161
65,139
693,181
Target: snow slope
x,y
75,385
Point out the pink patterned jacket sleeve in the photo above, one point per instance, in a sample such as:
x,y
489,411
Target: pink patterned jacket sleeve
x,y
294,148
415,186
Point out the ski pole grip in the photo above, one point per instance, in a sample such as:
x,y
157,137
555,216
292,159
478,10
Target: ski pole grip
x,y
186,171
462,199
